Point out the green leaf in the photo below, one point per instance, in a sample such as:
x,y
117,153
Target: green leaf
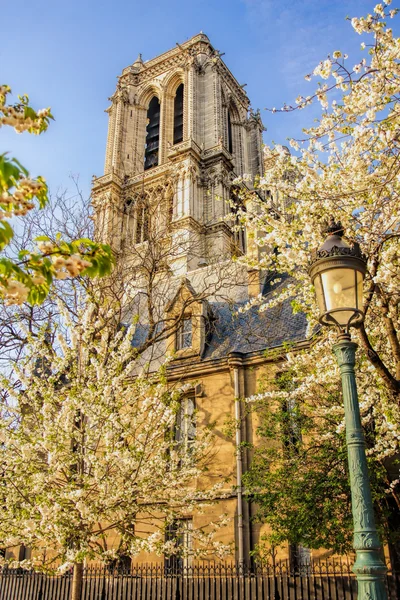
x,y
9,172
21,167
30,113
6,234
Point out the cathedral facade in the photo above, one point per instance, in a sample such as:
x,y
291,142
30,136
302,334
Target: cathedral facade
x,y
181,133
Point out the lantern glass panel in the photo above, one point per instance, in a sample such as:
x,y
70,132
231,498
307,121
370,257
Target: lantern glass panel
x,y
319,294
339,286
360,279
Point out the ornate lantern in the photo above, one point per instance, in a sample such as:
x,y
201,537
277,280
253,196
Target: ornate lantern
x,y
337,272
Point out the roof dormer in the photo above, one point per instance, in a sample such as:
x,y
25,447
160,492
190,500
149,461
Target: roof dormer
x,y
189,316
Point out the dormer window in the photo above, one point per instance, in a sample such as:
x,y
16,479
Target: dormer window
x,y
184,334
189,317
178,115
153,134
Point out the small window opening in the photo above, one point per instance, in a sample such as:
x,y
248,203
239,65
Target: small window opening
x,y
178,115
180,532
185,428
184,334
153,134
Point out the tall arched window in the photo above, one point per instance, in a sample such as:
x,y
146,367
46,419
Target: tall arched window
x,y
178,115
230,142
153,134
237,209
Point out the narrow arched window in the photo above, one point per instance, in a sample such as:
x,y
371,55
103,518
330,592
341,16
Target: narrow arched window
x,y
142,223
178,115
230,144
237,208
153,134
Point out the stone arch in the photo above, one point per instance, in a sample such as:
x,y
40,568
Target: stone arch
x,y
147,94
173,81
234,135
172,86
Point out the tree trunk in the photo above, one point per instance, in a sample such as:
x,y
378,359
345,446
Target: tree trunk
x,y
77,580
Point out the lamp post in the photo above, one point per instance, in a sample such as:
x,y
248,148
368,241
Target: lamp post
x,y
337,272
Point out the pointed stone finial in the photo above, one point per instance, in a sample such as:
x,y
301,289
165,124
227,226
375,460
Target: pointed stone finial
x,y
203,36
138,61
137,65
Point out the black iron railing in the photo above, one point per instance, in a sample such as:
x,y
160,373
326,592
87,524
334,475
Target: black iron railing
x,y
322,580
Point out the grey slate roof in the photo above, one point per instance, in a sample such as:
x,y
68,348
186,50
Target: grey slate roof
x,y
230,330
252,330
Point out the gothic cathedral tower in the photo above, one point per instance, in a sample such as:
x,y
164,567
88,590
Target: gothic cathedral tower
x,y
180,132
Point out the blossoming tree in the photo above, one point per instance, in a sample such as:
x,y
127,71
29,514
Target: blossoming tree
x,y
28,277
346,165
90,466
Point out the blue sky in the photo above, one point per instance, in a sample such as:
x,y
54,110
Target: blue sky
x,y
68,54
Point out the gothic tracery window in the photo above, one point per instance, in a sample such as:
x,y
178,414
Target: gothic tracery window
x,y
153,134
135,228
178,115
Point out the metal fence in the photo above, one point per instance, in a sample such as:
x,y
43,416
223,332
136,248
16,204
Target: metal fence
x,y
313,581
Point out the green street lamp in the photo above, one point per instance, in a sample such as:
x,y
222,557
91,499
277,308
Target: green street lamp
x,y
337,271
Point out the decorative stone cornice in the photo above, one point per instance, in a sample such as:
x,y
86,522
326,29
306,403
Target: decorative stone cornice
x,y
183,56
187,223
184,147
99,183
218,151
220,226
146,176
214,365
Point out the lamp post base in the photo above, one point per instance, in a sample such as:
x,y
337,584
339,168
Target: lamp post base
x,y
369,566
370,571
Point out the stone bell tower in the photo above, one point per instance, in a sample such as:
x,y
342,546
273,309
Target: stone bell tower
x,y
180,132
